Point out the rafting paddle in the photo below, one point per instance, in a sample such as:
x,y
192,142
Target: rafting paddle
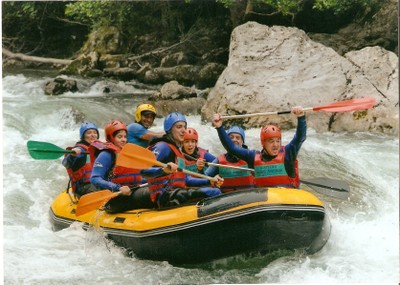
x,y
331,187
44,150
137,157
94,200
219,165
340,106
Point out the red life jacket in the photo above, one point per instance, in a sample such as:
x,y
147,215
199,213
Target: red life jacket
x,y
234,179
273,173
82,175
159,185
119,174
191,164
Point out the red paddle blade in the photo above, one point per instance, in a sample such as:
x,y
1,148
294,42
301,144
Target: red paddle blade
x,y
93,201
348,105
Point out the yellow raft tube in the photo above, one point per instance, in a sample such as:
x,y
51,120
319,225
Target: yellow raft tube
x,y
249,221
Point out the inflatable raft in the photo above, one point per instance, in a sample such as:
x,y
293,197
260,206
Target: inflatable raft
x,y
251,221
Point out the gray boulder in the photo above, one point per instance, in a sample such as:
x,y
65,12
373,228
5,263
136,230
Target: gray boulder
x,y
60,86
274,68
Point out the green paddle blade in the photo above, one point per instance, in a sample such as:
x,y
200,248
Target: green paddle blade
x,y
44,150
327,186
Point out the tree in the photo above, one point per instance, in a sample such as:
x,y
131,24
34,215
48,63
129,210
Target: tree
x,y
39,27
242,10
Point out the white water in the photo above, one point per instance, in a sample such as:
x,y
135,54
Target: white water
x,y
363,246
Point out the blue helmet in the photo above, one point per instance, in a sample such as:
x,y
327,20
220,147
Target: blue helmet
x,y
171,119
87,126
238,130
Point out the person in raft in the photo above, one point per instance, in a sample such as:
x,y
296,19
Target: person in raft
x,y
138,132
274,165
195,156
234,179
168,186
78,164
107,175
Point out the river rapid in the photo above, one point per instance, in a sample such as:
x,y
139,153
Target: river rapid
x,y
363,246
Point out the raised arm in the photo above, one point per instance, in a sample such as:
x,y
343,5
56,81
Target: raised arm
x,y
242,153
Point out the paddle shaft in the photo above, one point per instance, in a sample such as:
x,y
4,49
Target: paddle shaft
x,y
339,106
220,165
323,186
95,200
159,163
262,114
55,151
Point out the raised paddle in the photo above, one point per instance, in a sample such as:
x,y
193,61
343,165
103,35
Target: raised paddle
x,y
137,157
340,106
45,150
95,200
331,187
219,165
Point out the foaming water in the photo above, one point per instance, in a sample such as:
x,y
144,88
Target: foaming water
x,y
363,246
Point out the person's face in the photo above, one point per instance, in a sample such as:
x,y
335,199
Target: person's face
x,y
236,138
90,136
147,120
178,132
272,146
189,146
120,139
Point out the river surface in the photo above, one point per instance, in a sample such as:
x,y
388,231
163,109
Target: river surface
x,y
363,246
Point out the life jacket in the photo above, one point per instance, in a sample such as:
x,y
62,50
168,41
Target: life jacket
x,y
235,179
159,185
82,175
119,174
273,172
191,164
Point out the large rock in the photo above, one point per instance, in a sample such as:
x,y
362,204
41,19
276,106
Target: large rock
x,y
60,86
275,68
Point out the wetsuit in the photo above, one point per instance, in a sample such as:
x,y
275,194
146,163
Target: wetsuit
x,y
190,164
79,169
135,133
177,192
291,149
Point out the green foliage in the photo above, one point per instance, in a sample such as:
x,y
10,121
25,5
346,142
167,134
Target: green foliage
x,y
97,13
293,6
283,6
227,3
37,27
342,6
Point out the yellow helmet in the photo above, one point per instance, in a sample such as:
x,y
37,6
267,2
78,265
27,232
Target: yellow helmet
x,y
143,108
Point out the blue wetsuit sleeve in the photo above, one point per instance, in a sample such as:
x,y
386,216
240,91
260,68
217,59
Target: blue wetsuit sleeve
x,y
212,170
163,154
102,166
242,153
75,162
209,157
135,133
293,148
196,182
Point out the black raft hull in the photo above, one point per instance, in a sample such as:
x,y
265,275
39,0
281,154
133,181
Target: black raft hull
x,y
259,220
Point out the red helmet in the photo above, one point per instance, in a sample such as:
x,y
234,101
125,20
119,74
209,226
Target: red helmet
x,y
191,134
270,131
112,127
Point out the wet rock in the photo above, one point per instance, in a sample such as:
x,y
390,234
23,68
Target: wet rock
x,y
59,86
275,68
189,107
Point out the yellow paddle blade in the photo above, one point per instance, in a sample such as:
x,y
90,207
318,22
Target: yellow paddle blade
x,y
93,201
137,157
